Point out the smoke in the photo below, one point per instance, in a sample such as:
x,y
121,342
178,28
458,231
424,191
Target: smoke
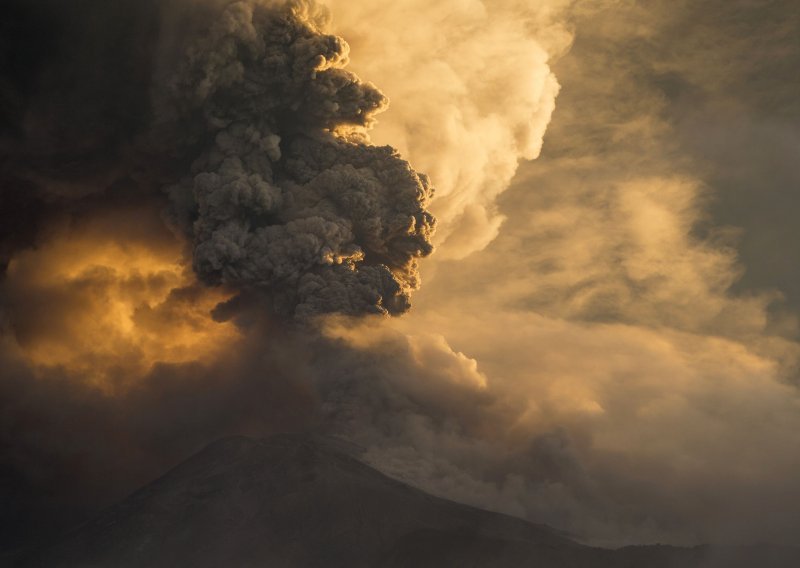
x,y
290,197
178,182
109,297
472,93
281,190
614,432
68,448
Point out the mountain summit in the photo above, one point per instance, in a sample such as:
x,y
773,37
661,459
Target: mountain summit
x,y
301,501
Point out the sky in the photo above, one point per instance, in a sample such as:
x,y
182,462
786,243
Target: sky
x,y
598,332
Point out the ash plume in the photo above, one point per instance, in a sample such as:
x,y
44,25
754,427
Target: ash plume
x,y
257,135
289,197
157,159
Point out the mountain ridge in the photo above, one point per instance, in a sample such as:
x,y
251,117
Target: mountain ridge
x,y
304,501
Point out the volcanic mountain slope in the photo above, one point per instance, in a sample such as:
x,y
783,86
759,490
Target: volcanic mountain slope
x,y
296,501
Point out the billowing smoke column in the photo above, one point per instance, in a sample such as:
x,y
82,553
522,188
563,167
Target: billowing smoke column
x,y
251,126
236,123
286,195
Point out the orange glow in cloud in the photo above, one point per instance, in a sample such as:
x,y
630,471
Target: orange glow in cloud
x,y
106,305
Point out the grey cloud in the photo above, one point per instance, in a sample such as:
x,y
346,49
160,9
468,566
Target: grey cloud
x,y
321,222
149,137
248,107
335,214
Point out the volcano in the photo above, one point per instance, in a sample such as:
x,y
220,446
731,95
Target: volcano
x,y
305,501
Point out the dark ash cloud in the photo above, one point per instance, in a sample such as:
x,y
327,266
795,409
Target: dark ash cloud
x,y
151,151
247,108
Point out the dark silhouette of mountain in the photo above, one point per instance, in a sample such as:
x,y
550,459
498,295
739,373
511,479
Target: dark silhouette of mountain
x,y
300,501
